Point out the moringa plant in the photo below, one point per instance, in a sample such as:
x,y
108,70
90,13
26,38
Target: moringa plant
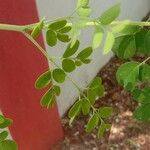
x,y
124,38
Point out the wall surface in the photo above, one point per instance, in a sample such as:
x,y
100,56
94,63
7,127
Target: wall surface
x,y
33,128
130,9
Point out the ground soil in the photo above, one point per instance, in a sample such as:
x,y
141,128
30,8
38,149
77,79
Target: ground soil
x,y
126,133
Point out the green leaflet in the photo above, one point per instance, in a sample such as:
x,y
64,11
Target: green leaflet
x,y
142,95
96,89
85,53
110,15
68,65
7,122
78,63
142,113
140,41
63,37
92,123
51,38
2,119
43,80
126,29
144,72
71,50
82,3
57,25
128,74
86,61
102,129
37,29
147,43
3,135
98,36
59,75
85,106
48,99
84,11
109,42
8,145
65,29
75,109
56,90
124,46
105,112
76,30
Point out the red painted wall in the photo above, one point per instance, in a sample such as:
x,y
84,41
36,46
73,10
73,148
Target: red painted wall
x,y
34,128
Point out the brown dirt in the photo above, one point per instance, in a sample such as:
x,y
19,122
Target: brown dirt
x,y
125,134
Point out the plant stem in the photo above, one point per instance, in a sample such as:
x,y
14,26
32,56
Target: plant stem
x,y
51,59
20,28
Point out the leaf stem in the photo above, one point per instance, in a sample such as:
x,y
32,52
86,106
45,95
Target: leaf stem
x,y
20,28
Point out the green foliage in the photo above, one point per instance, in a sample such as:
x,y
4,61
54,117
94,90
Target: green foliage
x,y
128,75
48,99
124,38
6,144
75,110
147,42
58,75
57,25
92,123
102,129
98,37
43,80
51,38
37,29
85,53
96,89
109,42
124,46
63,37
85,106
3,135
71,50
110,15
68,65
105,112
6,122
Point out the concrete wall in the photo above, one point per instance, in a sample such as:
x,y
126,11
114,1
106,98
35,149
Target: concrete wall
x,y
131,9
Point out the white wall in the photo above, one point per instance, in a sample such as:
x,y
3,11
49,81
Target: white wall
x,y
131,9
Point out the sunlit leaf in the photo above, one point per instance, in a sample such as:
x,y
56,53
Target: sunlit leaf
x,y
110,15
92,123
3,135
128,74
125,46
57,25
85,106
37,29
65,29
105,112
85,53
8,145
58,75
142,112
43,80
109,42
47,99
98,36
68,65
63,37
51,38
56,90
71,50
75,109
